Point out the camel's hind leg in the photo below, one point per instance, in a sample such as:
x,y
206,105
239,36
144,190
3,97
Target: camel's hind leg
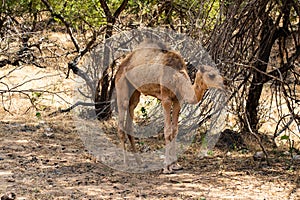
x,y
126,106
122,90
134,100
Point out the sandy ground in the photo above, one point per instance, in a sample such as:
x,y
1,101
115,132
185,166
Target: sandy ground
x,y
46,159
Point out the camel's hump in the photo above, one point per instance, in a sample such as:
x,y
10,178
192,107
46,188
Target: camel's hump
x,y
149,52
151,44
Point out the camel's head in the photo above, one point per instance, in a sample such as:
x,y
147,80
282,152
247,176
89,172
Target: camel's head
x,y
210,76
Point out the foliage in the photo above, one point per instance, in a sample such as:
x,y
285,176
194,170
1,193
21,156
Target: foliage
x,y
19,8
180,15
81,13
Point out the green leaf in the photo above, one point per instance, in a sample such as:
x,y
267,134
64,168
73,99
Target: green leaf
x,y
284,137
37,94
210,153
143,110
38,114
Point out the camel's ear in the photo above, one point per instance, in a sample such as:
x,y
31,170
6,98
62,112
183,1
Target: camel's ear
x,y
184,73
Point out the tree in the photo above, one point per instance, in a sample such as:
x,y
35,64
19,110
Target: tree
x,y
245,41
105,85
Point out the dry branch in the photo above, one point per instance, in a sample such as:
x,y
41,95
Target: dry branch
x,y
65,22
72,65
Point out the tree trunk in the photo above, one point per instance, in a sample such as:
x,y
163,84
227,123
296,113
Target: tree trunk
x,y
269,34
104,87
106,84
256,87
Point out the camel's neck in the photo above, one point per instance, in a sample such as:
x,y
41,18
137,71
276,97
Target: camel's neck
x,y
190,93
199,91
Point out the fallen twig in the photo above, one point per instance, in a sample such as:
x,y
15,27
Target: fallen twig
x,y
258,140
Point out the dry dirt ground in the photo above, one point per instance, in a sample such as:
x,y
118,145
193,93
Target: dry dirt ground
x,y
47,160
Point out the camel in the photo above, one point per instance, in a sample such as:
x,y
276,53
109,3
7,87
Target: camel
x,y
156,70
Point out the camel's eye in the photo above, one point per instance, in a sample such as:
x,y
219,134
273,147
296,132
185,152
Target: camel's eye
x,y
212,76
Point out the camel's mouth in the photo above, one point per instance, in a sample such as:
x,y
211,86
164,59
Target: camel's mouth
x,y
221,87
214,80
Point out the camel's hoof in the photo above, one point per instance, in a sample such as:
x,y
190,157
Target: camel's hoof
x,y
172,168
176,167
166,170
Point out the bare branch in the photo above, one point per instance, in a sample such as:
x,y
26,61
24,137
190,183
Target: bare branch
x,y
73,66
67,24
258,139
120,9
105,7
287,66
78,103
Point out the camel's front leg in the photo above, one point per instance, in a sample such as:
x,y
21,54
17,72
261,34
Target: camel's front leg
x,y
122,134
167,105
175,116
